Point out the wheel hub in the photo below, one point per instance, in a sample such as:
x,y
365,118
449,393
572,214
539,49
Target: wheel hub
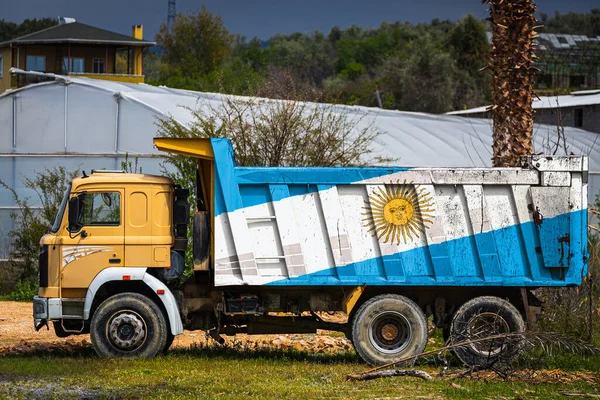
x,y
127,331
390,332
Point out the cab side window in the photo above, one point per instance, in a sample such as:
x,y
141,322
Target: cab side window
x,y
100,209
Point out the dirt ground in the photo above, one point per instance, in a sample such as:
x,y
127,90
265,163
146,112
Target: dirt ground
x,y
18,334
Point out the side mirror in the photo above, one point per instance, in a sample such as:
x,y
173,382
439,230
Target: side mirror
x,y
73,214
107,199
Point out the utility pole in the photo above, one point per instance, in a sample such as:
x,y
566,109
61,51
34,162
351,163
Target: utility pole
x,y
171,14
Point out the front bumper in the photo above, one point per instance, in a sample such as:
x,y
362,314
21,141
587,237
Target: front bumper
x,y
46,309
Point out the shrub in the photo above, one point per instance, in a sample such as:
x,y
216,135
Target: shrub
x,y
31,223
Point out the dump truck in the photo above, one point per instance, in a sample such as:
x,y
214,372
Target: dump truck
x,y
277,248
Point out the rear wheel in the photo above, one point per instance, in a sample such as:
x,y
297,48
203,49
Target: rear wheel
x,y
482,317
388,328
128,325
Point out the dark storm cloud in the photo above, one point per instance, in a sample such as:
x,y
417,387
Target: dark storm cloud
x,y
263,18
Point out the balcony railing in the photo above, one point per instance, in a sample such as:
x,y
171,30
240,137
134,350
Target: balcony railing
x,y
110,77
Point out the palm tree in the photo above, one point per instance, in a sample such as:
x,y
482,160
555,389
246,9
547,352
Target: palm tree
x,y
513,31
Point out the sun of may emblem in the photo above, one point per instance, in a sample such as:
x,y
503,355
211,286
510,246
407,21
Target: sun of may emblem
x,y
398,212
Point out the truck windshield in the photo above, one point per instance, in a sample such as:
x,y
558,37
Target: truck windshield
x,y
61,210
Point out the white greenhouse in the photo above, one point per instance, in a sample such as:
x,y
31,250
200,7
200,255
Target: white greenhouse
x,y
91,124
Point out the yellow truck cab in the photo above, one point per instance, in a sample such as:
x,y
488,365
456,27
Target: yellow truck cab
x,y
120,226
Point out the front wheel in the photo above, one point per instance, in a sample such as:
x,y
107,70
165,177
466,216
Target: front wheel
x,y
388,328
128,325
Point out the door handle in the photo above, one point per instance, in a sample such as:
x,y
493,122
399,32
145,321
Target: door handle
x,y
114,260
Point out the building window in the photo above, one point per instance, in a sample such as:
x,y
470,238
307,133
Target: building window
x,y
98,66
578,118
77,65
36,63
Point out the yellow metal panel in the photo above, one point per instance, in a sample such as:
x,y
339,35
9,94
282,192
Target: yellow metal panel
x,y
50,291
161,208
161,255
73,293
162,231
138,231
199,148
113,77
100,178
352,298
138,209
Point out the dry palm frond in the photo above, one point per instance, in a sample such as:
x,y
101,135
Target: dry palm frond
x,y
390,372
512,345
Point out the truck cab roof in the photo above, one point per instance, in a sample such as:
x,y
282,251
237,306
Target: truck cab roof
x,y
120,177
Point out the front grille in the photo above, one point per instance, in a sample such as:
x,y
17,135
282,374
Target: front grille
x,y
43,266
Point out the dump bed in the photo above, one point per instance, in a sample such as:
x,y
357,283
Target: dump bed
x,y
400,226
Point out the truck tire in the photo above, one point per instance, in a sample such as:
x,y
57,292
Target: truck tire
x,y
481,317
387,328
128,325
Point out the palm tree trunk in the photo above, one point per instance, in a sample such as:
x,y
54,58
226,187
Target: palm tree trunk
x,y
513,31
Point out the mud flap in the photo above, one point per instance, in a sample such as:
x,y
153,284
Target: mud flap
x,y
201,240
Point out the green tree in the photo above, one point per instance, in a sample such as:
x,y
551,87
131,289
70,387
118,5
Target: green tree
x,y
152,67
572,23
308,56
470,49
10,30
197,45
469,44
422,82
351,65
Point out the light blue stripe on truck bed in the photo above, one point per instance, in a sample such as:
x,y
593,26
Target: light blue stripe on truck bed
x,y
502,254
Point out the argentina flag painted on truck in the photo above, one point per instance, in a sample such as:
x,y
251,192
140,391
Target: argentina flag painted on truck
x,y
348,226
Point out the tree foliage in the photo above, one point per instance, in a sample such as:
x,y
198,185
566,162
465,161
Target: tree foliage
x,y
347,65
10,30
197,44
572,23
431,67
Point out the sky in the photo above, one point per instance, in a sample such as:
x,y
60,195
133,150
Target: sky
x,y
264,18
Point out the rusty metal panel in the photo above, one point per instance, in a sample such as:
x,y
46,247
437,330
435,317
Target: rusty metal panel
x,y
400,226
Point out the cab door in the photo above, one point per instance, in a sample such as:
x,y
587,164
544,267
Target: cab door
x,y
99,243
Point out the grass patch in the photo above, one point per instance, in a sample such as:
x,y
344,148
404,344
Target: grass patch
x,y
237,373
